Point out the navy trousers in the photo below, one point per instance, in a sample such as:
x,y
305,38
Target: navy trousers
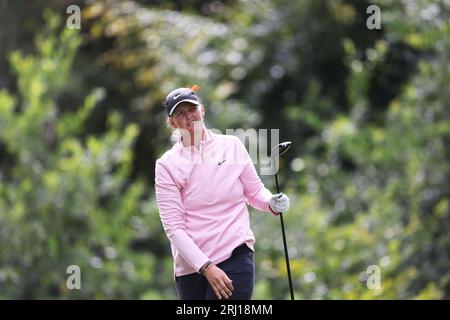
x,y
240,268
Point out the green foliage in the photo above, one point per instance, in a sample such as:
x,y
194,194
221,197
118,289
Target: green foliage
x,y
390,207
66,200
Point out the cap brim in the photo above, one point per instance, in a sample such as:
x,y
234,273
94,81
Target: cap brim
x,y
185,100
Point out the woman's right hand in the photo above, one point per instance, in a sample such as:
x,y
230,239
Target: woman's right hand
x,y
219,281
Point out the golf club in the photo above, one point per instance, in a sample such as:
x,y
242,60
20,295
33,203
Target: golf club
x,y
278,151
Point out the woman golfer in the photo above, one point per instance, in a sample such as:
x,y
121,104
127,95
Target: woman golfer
x,y
203,184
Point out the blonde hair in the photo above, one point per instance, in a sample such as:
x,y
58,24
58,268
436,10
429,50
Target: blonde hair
x,y
175,134
169,125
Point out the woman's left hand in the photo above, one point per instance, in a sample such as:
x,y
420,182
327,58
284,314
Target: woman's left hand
x,y
279,202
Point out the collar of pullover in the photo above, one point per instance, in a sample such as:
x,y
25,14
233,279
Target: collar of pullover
x,y
209,139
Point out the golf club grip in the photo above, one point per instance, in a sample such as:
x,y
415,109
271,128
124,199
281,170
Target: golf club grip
x,y
276,183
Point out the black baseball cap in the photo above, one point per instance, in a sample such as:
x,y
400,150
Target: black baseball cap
x,y
177,96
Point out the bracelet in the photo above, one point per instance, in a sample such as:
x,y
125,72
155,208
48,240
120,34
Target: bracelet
x,y
205,266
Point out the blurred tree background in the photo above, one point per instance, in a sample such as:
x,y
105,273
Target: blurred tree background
x,y
82,124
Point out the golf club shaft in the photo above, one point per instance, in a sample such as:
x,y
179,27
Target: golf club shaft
x,y
285,246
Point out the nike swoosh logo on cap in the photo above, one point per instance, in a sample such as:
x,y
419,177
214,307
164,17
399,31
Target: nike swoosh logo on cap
x,y
175,97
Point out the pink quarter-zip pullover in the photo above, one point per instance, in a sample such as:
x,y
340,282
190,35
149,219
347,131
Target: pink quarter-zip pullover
x,y
202,197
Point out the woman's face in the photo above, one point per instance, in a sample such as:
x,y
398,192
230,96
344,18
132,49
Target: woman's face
x,y
185,114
